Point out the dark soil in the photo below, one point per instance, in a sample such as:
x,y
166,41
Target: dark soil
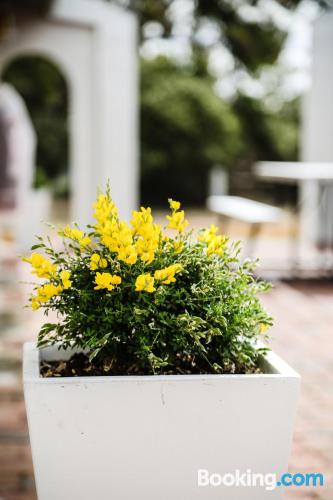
x,y
79,365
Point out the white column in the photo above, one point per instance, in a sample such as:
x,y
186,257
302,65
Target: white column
x,y
317,128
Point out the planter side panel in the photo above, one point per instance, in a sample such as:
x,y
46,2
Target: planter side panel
x,y
124,439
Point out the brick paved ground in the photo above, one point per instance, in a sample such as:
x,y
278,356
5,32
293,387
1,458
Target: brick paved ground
x,y
302,335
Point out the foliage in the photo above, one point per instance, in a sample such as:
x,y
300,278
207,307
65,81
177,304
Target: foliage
x,y
149,301
185,129
266,134
253,42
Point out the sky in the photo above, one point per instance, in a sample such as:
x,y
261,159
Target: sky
x,y
290,78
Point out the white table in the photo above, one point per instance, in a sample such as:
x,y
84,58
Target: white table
x,y
252,212
310,177
243,209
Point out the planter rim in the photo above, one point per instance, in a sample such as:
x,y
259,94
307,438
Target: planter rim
x,y
276,368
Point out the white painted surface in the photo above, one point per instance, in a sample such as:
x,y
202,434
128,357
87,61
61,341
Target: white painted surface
x,y
121,438
94,45
244,209
317,120
294,171
312,178
31,218
317,123
21,141
31,205
218,182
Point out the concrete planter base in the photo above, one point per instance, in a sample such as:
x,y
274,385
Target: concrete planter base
x,y
146,437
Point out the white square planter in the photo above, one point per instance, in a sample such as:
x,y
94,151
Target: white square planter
x,y
145,437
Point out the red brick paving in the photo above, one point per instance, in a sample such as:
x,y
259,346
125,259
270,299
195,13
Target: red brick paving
x,y
16,473
303,335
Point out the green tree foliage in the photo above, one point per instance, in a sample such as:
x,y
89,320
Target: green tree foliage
x,y
252,44
264,133
185,129
267,134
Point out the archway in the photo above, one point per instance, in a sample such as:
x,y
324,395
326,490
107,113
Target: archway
x,y
45,91
94,45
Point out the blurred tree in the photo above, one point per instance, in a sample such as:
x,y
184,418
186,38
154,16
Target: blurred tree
x,y
185,126
268,134
265,134
185,129
44,90
252,43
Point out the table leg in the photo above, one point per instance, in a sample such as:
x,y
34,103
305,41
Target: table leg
x,y
309,193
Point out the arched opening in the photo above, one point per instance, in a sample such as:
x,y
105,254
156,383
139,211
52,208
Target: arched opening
x,y
45,92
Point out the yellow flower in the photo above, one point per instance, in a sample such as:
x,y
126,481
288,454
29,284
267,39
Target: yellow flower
x,y
107,228
106,215
141,218
146,249
167,275
263,328
76,234
97,262
34,304
66,282
147,257
42,266
46,292
147,234
117,237
107,281
177,221
105,209
178,246
85,241
215,243
140,241
145,283
72,233
128,254
174,205
208,234
177,218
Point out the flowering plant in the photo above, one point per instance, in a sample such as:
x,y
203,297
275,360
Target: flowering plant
x,y
149,299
